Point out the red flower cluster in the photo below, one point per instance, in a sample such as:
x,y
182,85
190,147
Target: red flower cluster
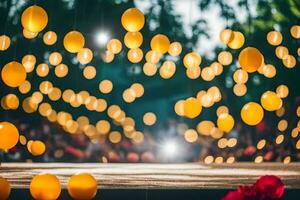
x,y
266,188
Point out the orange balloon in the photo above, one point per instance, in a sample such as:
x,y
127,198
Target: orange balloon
x,y
82,186
133,40
4,42
252,113
45,186
133,20
34,19
5,188
13,74
37,148
74,41
271,101
160,43
225,122
192,108
237,41
250,59
9,135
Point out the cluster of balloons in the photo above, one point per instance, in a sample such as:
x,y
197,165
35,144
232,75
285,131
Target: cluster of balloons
x,y
114,46
136,90
79,186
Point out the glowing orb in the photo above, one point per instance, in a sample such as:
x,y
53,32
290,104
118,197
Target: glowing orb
x,y
37,148
133,20
149,118
133,40
226,36
105,86
252,113
78,190
4,42
160,43
50,38
74,41
84,56
192,108
270,101
9,135
237,41
5,188
250,59
114,46
135,55
192,59
13,74
274,38
45,186
34,19
61,70
225,122
175,49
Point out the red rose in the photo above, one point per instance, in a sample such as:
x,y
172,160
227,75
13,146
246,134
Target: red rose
x,y
269,188
248,192
234,195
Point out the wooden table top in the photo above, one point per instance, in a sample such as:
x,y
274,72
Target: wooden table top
x,y
156,176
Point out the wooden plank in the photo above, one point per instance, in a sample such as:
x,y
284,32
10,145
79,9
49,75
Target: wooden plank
x,y
156,176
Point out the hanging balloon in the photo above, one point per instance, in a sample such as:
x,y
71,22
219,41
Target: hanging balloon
x,y
25,87
34,19
4,42
217,68
9,135
167,70
5,188
207,74
28,62
274,38
61,70
153,57
84,56
114,46
270,101
37,148
282,91
237,41
239,89
226,36
225,122
175,49
225,58
133,20
89,72
13,74
133,40
160,43
192,59
193,72
252,113
28,34
250,59
192,108
281,52
240,76
135,55
77,190
55,58
74,41
50,38
149,69
295,31
42,70
105,86
45,186
289,61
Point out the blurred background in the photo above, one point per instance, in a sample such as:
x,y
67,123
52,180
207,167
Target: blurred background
x,y
196,24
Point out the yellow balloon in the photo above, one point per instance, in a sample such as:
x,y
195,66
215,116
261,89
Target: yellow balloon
x,y
133,40
45,186
82,186
250,59
225,122
237,41
5,188
4,42
160,43
9,135
133,20
37,148
192,59
13,74
34,19
192,108
270,101
74,41
252,113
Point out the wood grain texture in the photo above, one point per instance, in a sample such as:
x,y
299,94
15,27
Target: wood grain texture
x,y
156,176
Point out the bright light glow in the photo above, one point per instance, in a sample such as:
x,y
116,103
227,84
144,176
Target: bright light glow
x,y
169,149
102,38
